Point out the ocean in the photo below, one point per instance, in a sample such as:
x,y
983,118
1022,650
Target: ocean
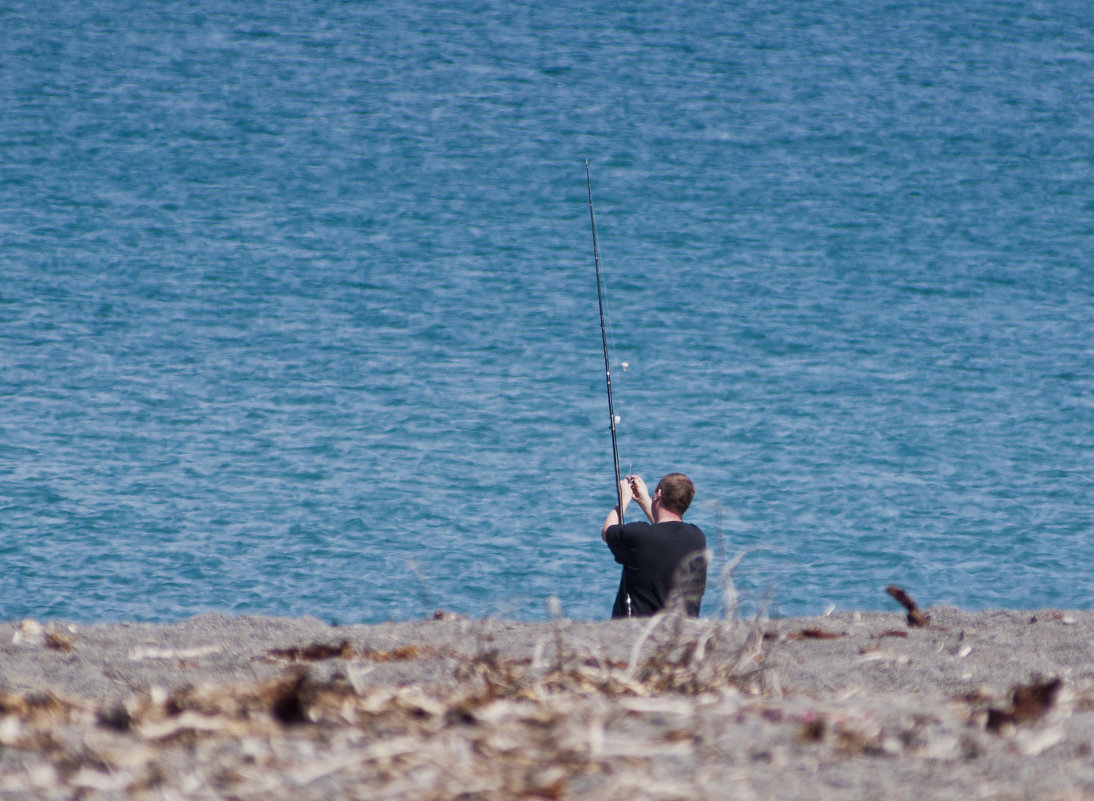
x,y
298,310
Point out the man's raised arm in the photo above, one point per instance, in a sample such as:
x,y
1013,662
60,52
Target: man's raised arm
x,y
626,492
642,495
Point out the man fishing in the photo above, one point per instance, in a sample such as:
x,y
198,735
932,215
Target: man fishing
x,y
664,561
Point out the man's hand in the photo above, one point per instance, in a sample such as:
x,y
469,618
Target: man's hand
x,y
626,492
641,493
638,488
631,488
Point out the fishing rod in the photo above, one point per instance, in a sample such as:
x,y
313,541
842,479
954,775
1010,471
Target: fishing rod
x,y
604,340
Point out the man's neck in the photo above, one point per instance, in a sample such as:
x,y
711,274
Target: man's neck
x,y
661,515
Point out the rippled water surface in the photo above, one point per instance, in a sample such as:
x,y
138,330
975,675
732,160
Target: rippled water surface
x,y
298,312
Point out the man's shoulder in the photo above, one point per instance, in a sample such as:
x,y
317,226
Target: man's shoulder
x,y
679,525
635,528
680,529
618,533
640,530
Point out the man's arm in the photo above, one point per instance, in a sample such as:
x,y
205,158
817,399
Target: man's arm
x,y
642,495
626,493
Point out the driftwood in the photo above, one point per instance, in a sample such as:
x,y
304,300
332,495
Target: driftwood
x,y
916,618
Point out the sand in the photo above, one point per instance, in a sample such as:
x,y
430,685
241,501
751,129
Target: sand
x,y
848,706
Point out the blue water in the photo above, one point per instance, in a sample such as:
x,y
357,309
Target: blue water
x,y
298,312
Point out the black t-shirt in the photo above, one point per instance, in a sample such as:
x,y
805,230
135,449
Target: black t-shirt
x,y
656,558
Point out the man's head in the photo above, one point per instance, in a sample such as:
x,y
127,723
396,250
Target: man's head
x,y
676,492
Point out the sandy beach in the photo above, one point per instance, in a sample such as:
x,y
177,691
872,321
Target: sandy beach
x,y
996,704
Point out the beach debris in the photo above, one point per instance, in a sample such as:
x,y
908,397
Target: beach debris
x,y
399,654
114,715
289,702
27,632
916,618
1029,702
141,652
58,641
481,719
315,652
319,652
1035,742
880,655
186,726
892,633
690,658
31,632
31,705
815,634
812,728
1056,616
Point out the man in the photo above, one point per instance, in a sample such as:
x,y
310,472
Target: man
x,y
664,560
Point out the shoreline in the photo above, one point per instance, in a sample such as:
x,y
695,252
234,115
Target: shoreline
x,y
995,704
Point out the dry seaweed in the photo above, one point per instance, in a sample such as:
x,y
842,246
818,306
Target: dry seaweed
x,y
1029,702
319,652
815,634
56,641
315,652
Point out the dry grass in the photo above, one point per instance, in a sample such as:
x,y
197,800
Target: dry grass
x,y
496,728
554,724
693,699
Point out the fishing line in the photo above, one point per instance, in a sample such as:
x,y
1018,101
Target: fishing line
x,y
604,341
620,403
